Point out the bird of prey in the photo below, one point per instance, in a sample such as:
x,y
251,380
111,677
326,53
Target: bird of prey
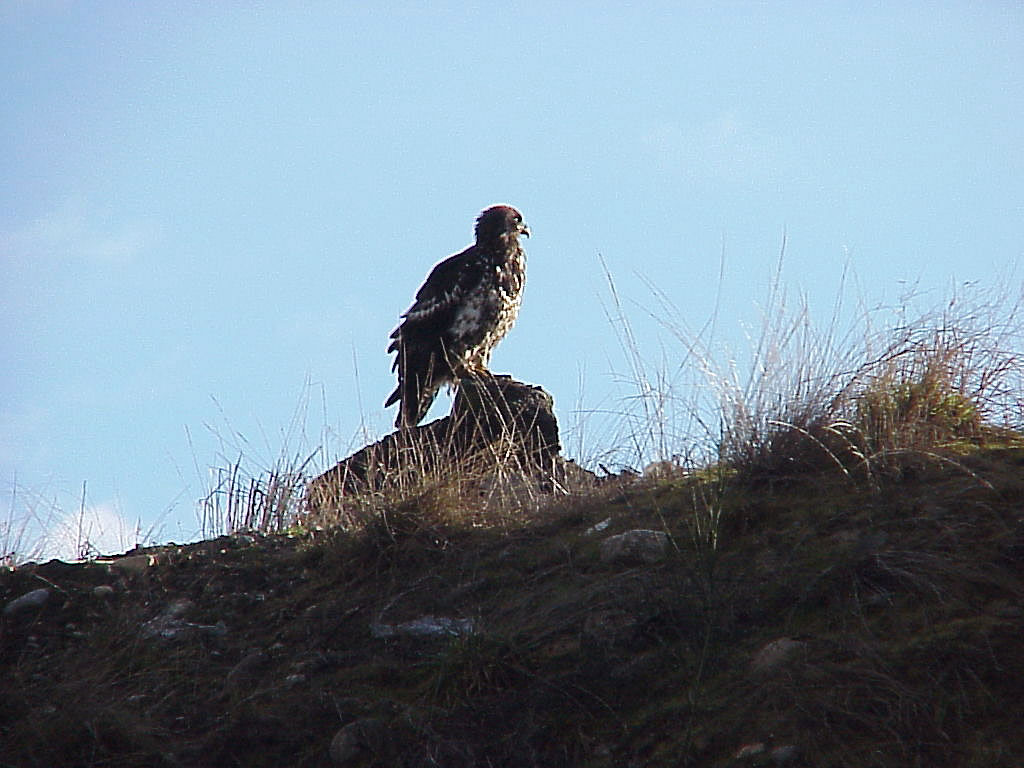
x,y
465,307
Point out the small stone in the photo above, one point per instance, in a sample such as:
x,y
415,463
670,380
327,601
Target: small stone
x,y
293,680
165,628
784,754
220,629
103,591
35,599
775,654
169,625
663,470
1009,612
748,751
245,669
425,626
604,630
359,742
178,608
130,564
636,547
598,527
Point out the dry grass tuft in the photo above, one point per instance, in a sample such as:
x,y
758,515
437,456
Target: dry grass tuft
x,y
847,396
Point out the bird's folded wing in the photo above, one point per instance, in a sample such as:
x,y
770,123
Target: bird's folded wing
x,y
448,283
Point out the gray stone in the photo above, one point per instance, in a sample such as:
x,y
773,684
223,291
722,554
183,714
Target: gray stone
x,y
35,599
170,626
245,670
749,751
636,547
362,742
783,755
129,564
607,629
425,626
663,470
776,654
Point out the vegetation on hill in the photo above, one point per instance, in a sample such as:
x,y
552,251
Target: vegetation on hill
x,y
830,574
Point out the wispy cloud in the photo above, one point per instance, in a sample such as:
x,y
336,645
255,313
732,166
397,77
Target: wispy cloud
x,y
77,230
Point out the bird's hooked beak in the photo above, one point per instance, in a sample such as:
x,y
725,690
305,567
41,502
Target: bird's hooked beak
x,y
524,230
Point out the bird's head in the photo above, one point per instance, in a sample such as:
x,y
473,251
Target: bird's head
x,y
500,222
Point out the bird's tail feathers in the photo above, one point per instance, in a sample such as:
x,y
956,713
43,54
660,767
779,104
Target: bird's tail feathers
x,y
393,397
418,385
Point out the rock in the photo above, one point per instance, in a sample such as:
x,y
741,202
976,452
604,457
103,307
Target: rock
x,y
170,626
598,527
749,751
783,755
775,654
364,742
220,629
498,427
758,754
608,629
635,669
35,599
636,547
489,408
130,564
663,470
103,591
425,626
245,670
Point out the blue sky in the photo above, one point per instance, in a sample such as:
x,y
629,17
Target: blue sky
x,y
215,212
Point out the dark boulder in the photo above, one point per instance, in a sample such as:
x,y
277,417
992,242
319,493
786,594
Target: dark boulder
x,y
496,424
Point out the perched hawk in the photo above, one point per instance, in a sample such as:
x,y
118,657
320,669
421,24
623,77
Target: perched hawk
x,y
466,306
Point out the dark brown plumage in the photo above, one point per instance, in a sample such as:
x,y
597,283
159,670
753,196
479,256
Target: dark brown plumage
x,y
464,308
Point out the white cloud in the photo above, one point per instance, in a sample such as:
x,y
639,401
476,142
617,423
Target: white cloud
x,y
39,531
97,530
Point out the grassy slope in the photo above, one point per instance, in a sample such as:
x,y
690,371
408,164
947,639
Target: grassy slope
x,y
905,601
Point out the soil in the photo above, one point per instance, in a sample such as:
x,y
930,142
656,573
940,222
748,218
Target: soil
x,y
816,620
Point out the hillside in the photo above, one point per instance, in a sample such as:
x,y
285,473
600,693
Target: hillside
x,y
817,619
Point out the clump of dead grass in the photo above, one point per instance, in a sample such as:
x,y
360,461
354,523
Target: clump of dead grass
x,y
854,395
242,499
247,492
857,404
